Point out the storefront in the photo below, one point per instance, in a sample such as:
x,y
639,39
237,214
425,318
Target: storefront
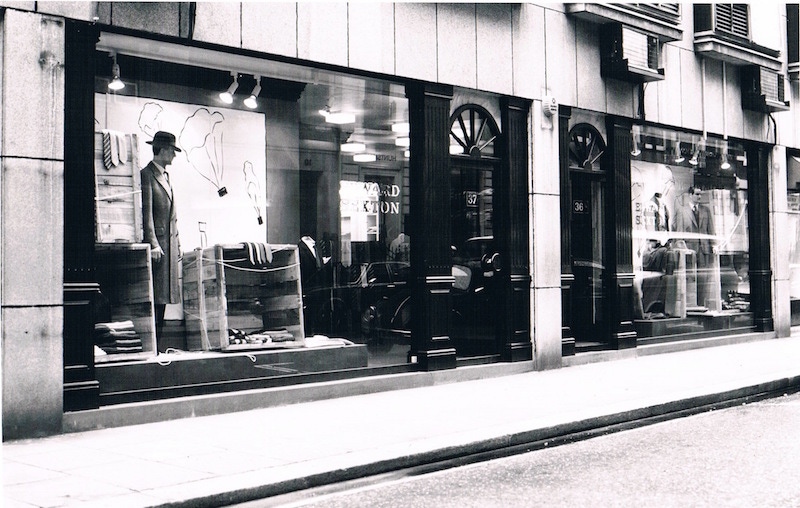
x,y
326,224
667,234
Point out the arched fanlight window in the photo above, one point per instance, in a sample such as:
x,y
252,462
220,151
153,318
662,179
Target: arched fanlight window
x,y
586,147
473,132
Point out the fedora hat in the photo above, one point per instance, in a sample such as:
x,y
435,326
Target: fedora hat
x,y
164,139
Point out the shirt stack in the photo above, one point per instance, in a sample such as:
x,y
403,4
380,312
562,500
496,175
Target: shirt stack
x,y
117,337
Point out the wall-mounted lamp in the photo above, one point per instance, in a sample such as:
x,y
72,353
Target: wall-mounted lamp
x,y
252,102
115,83
227,95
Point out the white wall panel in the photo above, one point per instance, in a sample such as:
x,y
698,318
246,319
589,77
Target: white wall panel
x,y
590,85
270,27
691,103
456,39
415,40
529,51
371,38
218,22
560,56
494,47
322,32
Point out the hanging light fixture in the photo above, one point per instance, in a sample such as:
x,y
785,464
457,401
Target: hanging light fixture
x,y
115,83
694,161
353,147
252,102
227,95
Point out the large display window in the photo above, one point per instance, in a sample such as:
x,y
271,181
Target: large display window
x,y
690,235
250,211
793,217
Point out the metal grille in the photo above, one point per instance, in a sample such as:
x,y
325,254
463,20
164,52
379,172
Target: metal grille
x,y
772,86
732,19
640,49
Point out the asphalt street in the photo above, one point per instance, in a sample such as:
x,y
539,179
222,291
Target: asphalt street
x,y
743,456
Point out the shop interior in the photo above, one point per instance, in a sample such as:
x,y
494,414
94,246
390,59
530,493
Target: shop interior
x,y
690,234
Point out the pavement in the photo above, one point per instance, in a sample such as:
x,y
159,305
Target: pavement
x,y
236,457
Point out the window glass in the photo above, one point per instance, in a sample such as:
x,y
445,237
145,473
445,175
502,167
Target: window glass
x,y
690,237
793,216
280,218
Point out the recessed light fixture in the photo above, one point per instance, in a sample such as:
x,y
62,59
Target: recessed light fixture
x,y
401,128
364,157
402,141
351,147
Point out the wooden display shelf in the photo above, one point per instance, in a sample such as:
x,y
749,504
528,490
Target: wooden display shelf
x,y
223,289
124,273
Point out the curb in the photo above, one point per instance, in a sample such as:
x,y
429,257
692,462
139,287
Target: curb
x,y
503,446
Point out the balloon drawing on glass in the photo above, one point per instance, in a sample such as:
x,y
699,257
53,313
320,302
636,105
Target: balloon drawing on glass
x,y
149,121
254,190
201,139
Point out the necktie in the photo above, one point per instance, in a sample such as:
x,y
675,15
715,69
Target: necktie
x,y
169,185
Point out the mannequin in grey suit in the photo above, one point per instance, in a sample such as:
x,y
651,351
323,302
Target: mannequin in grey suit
x,y
160,223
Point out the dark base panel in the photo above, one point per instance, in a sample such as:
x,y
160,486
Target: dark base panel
x,y
435,359
517,352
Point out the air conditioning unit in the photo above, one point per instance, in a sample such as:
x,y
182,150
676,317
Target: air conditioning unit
x,y
763,90
630,55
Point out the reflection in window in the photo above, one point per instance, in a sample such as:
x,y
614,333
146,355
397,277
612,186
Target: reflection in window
x,y
690,238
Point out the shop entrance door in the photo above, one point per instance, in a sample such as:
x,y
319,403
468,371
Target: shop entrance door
x,y
587,244
476,259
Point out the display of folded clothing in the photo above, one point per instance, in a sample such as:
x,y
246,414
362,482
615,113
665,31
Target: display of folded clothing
x,y
259,337
117,337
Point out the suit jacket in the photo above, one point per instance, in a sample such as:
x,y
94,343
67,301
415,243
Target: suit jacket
x,y
160,225
685,220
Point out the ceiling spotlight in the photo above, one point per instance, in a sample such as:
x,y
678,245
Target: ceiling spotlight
x,y
725,164
227,95
252,102
694,160
115,83
635,152
404,141
679,155
364,157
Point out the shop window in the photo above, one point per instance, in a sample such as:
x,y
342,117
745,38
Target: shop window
x,y
292,204
793,209
690,235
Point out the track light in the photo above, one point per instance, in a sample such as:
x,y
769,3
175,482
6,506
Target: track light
x,y
694,160
115,83
635,152
725,164
227,95
252,102
679,155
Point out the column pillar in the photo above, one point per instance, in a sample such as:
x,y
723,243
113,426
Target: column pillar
x,y
431,262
